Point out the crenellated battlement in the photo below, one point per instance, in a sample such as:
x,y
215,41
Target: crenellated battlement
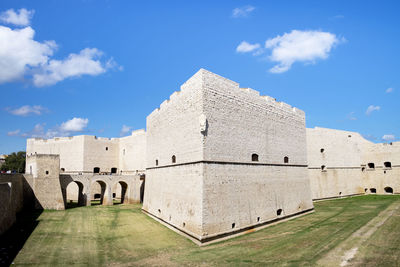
x,y
205,78
55,139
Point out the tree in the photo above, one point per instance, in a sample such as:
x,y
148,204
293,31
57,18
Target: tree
x,y
15,162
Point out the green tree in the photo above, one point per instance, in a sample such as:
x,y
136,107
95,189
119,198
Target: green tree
x,y
15,162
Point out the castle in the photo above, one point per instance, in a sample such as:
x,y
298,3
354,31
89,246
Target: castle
x,y
215,160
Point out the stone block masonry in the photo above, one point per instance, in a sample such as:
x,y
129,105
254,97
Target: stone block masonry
x,y
45,171
221,159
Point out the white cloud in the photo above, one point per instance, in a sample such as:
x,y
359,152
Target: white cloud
x,y
371,109
23,57
245,47
241,12
84,63
351,116
19,53
388,137
66,129
302,46
338,17
14,133
26,110
125,129
21,17
74,125
389,90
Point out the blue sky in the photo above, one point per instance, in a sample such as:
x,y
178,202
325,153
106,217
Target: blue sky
x,y
100,67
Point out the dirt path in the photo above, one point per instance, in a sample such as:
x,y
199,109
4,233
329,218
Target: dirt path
x,y
347,250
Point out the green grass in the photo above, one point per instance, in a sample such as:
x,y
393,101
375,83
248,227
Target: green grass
x,y
123,235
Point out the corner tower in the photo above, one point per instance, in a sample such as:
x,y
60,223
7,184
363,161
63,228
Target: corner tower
x,y
222,159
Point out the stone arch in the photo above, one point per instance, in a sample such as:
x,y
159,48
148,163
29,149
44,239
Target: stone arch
x,y
99,193
75,195
120,192
388,190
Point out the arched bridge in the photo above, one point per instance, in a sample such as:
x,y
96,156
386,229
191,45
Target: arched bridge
x,y
105,188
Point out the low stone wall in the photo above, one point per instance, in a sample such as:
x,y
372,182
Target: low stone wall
x,y
11,199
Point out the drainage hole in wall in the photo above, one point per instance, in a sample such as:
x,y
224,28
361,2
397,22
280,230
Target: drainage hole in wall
x,y
279,212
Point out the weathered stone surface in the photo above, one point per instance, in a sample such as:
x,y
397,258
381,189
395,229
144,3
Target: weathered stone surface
x,y
81,154
345,156
11,199
46,180
212,128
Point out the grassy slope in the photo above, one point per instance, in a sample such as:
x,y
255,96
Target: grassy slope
x,y
123,235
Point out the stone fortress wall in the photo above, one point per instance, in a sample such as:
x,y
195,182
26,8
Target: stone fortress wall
x,y
83,153
384,176
216,159
343,163
220,159
43,187
11,199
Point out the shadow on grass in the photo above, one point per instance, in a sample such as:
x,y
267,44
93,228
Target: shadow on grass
x,y
12,241
98,202
71,205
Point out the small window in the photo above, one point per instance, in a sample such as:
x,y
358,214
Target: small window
x,y
106,147
323,168
371,165
114,195
286,159
279,212
254,157
47,172
97,195
233,225
96,170
372,190
366,190
113,170
322,150
156,162
173,159
62,169
349,136
362,169
387,164
258,219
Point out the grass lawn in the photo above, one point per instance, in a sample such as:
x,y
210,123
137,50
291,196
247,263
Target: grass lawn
x,y
122,235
